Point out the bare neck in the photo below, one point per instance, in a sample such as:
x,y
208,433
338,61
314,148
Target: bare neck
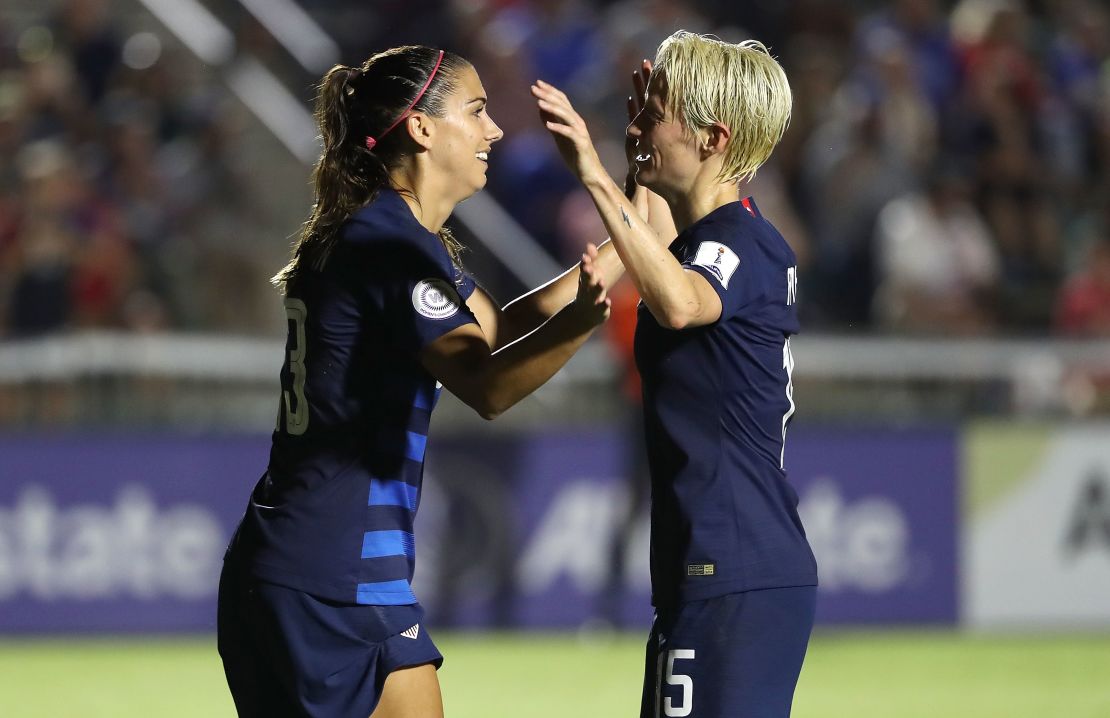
x,y
688,208
429,199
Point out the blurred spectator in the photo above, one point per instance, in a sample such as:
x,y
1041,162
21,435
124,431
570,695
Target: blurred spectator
x,y
44,244
1079,49
937,264
1083,307
907,119
919,29
50,104
1004,100
847,178
72,264
85,32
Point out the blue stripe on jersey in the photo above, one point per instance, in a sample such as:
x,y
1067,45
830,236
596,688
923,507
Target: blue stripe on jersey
x,y
388,492
385,593
415,444
425,396
388,543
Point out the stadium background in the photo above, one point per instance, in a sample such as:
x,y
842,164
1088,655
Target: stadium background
x,y
944,182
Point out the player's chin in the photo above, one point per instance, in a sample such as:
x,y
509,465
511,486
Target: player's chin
x,y
475,186
645,177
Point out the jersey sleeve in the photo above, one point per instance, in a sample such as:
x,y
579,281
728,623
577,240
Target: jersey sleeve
x,y
722,261
417,287
437,304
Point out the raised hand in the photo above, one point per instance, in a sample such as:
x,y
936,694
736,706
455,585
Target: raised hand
x,y
572,137
592,294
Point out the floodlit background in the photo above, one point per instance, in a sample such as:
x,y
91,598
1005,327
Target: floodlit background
x,y
945,183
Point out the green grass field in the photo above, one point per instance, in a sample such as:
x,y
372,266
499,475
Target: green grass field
x,y
854,675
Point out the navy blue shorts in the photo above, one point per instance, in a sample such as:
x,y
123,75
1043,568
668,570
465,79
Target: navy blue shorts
x,y
735,656
287,653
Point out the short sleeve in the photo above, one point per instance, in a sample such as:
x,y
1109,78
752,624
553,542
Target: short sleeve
x,y
437,304
731,274
415,285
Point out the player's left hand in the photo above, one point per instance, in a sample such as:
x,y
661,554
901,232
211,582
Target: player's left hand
x,y
572,137
592,299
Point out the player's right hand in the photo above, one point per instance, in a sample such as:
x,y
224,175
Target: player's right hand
x,y
572,137
592,298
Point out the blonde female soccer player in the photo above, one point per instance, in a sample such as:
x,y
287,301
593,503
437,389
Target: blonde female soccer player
x,y
317,616
733,577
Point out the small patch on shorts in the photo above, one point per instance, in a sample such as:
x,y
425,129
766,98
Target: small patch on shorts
x,y
701,569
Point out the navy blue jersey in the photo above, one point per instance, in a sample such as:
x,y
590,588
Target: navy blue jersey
x,y
717,403
333,515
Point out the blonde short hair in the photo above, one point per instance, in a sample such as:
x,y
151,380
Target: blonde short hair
x,y
741,86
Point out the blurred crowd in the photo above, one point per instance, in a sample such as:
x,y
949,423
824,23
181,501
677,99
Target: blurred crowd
x,y
946,171
119,185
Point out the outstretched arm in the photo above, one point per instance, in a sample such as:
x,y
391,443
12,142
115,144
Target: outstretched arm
x,y
492,381
677,298
504,325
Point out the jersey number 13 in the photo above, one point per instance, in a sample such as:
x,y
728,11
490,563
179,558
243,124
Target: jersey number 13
x,y
294,407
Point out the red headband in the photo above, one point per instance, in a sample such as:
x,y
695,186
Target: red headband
x,y
370,141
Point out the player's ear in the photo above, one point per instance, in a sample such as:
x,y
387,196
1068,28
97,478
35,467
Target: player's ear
x,y
714,139
421,128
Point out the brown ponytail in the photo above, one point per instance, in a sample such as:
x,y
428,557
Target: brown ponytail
x,y
352,103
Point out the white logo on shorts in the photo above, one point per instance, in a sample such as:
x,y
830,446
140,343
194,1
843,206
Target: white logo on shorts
x,y
435,299
412,632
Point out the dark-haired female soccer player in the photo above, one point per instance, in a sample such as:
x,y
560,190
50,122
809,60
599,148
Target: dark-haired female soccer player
x,y
316,613
733,577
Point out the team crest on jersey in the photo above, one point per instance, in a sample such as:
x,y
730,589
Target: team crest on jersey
x,y
718,259
435,299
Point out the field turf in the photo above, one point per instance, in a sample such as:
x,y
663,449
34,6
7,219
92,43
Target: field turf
x,y
856,675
